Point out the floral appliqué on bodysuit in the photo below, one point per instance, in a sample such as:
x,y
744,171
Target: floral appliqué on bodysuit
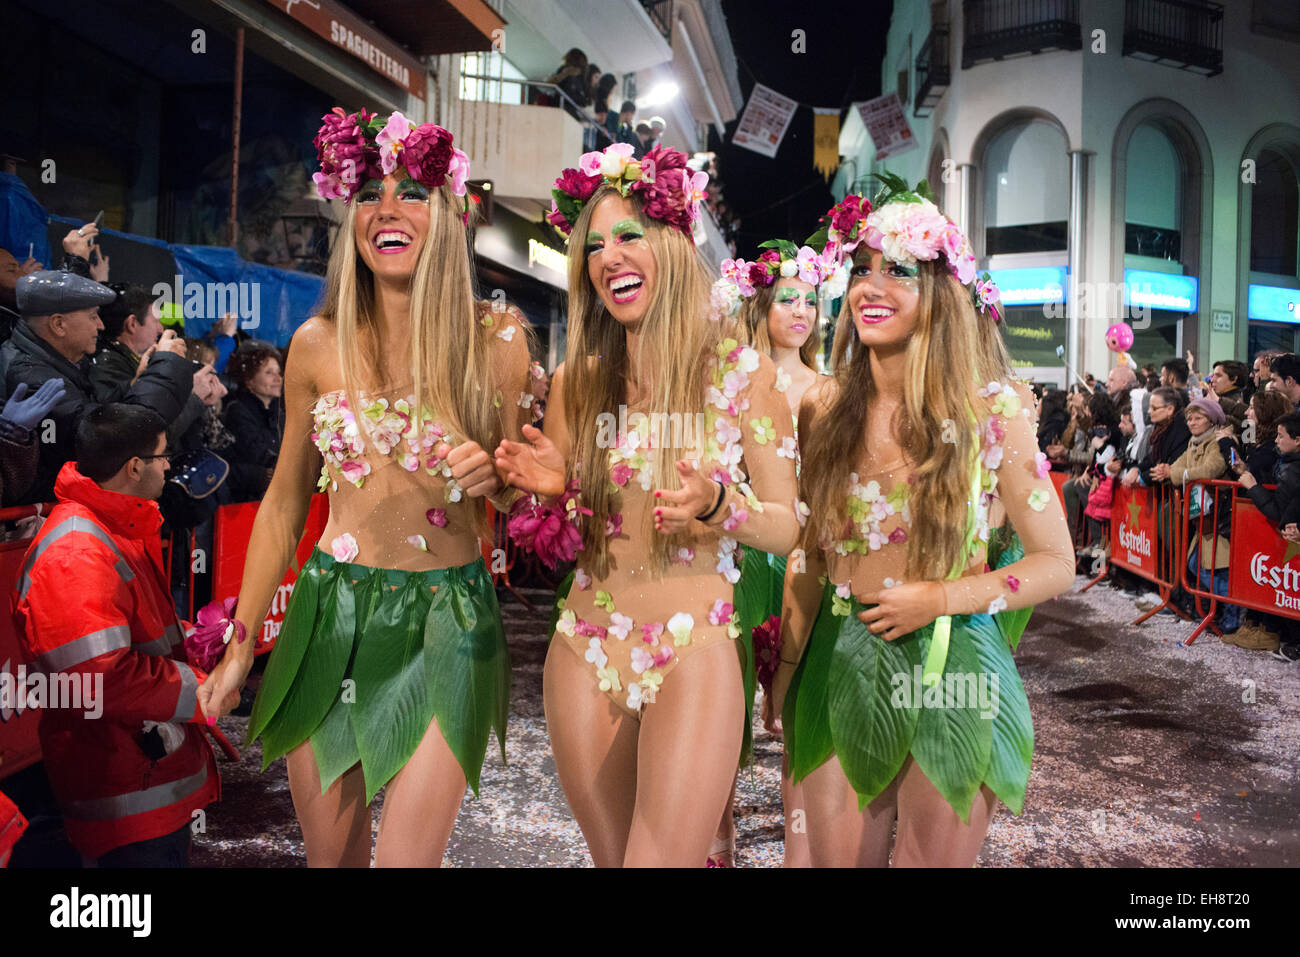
x,y
646,649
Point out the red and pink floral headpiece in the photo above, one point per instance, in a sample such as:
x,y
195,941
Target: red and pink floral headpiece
x,y
907,227
669,190
355,148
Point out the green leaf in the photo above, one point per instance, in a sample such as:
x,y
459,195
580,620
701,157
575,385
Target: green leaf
x,y
819,238
1012,749
953,744
749,596
923,190
334,744
392,711
290,647
872,732
805,717
317,684
468,668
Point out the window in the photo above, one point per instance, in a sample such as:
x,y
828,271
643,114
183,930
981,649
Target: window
x,y
1274,218
490,77
1153,200
1026,190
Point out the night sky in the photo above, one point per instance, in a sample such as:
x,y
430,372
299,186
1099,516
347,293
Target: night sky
x,y
783,197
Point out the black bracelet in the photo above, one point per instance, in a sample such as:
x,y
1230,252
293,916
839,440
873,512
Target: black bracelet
x,y
722,493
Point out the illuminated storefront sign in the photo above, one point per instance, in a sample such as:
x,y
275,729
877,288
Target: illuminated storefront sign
x,y
1160,290
1273,303
1025,287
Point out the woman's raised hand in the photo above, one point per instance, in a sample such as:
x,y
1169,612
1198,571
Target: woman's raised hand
x,y
534,465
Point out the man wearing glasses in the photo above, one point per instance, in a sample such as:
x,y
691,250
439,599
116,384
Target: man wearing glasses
x,y
128,761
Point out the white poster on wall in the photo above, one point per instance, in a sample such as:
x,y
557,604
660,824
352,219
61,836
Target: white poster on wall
x,y
767,116
887,123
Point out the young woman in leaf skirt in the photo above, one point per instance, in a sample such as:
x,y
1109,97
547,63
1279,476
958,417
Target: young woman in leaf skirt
x,y
391,667
901,700
645,680
776,303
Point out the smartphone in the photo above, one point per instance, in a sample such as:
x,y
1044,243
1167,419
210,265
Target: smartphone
x,y
1232,457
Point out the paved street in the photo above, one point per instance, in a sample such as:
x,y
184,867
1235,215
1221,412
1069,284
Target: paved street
x,y
1146,755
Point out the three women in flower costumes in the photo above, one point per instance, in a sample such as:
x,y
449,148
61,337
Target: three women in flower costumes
x,y
391,667
645,683
901,701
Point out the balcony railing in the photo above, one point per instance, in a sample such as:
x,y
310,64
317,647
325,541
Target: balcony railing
x,y
661,13
1187,34
996,29
933,71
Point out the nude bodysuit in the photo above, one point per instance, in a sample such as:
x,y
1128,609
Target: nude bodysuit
x,y
393,503
632,628
1014,484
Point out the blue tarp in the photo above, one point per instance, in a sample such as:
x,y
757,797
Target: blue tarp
x,y
22,221
270,302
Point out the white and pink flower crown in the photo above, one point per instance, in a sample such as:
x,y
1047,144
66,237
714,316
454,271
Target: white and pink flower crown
x,y
670,191
907,227
355,148
741,279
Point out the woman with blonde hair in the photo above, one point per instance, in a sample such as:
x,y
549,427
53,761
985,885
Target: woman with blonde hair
x,y
775,300
391,665
645,681
901,698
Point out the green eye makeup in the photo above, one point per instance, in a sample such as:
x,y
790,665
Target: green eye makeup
x,y
595,242
410,189
628,229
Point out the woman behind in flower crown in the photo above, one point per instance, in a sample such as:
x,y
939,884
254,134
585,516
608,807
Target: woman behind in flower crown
x,y
391,665
903,698
776,302
645,679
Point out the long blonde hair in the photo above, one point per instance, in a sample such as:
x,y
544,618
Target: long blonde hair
x,y
450,349
677,342
936,429
753,320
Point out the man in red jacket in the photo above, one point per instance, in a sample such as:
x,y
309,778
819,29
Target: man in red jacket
x,y
93,606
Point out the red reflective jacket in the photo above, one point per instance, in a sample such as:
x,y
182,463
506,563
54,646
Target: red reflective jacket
x,y
93,609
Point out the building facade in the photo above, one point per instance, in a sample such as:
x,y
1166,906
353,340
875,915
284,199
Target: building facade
x,y
673,58
1134,160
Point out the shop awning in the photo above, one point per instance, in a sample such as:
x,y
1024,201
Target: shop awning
x,y
432,27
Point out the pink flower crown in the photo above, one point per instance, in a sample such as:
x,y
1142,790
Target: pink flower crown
x,y
741,279
355,148
670,192
907,227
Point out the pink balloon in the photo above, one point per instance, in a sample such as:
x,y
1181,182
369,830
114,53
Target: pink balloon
x,y
1119,337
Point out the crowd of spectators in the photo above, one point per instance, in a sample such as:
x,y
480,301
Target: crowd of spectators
x,y
72,341
1166,429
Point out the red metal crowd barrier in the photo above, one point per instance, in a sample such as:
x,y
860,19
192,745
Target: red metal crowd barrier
x,y
1147,540
19,745
1261,574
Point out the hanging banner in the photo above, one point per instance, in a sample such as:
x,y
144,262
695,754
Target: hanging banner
x,y
826,141
767,116
887,123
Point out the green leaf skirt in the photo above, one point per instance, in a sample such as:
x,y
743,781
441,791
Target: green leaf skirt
x,y
368,657
752,596
862,699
